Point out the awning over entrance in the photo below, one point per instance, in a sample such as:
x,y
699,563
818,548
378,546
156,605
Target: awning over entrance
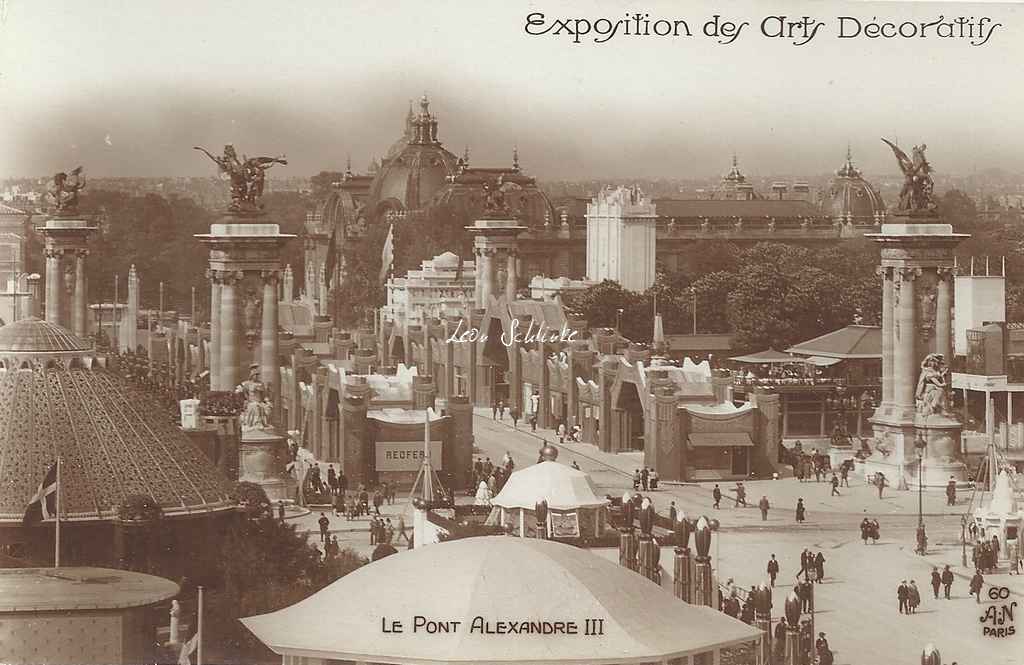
x,y
822,361
722,439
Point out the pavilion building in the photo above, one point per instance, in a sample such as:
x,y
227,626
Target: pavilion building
x,y
465,599
136,491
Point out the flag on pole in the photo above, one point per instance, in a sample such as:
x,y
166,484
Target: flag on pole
x,y
187,649
387,255
43,505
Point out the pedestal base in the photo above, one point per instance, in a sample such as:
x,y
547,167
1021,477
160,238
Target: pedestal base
x,y
262,457
899,432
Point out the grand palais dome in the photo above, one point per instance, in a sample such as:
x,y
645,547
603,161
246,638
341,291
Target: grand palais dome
x,y
115,440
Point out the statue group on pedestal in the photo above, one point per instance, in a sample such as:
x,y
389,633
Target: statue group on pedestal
x,y
65,190
247,176
495,204
917,192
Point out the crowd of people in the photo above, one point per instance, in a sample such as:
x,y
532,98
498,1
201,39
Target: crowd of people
x,y
645,480
489,479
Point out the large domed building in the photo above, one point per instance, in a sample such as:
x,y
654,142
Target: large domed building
x,y
127,470
409,178
851,199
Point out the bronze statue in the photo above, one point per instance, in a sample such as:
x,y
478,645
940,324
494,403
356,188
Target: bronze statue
x,y
65,190
247,176
917,180
495,204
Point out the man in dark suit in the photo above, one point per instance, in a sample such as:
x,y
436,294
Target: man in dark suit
x,y
947,581
773,569
903,593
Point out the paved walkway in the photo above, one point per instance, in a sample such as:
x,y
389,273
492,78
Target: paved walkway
x,y
782,494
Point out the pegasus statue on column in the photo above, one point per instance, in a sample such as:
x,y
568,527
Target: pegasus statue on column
x,y
916,194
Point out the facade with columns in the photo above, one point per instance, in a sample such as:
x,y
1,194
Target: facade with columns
x,y
66,248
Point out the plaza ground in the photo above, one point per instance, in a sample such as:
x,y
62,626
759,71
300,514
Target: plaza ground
x,y
856,605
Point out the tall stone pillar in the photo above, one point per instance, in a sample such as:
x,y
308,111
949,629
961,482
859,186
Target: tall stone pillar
x,y
512,276
905,342
215,293
888,313
131,327
79,300
229,330
943,313
270,373
288,284
54,284
484,276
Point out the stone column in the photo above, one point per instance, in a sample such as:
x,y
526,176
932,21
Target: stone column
x,y
943,314
214,360
229,330
512,277
270,375
484,276
78,305
905,356
288,284
54,284
887,335
33,295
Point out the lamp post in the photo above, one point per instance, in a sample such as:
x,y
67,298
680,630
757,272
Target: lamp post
x,y
963,540
920,445
693,295
618,321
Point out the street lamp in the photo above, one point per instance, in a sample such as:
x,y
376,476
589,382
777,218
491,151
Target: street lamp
x,y
618,321
963,540
693,308
920,445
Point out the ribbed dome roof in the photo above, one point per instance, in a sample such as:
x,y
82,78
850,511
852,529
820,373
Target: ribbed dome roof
x,y
114,439
32,335
853,198
413,172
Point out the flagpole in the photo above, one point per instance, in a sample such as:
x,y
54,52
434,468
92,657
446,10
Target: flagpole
x,y
56,540
199,630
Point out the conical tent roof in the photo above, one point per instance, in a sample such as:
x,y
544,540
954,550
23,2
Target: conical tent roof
x,y
495,579
563,487
765,357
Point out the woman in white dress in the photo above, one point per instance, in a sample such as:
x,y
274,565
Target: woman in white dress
x,y
483,495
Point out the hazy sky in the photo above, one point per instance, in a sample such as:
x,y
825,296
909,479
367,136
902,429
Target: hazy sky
x,y
127,88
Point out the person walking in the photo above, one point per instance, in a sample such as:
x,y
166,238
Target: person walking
x,y
764,506
280,511
672,513
903,594
717,494
773,569
801,512
324,523
645,476
332,479
913,597
389,532
947,581
779,644
835,485
378,501
977,582
501,410
494,410
844,473
819,566
804,564
880,481
936,581
741,495
951,492
339,505
401,529
514,414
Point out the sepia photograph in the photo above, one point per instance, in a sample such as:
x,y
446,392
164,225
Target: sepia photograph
x,y
564,332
